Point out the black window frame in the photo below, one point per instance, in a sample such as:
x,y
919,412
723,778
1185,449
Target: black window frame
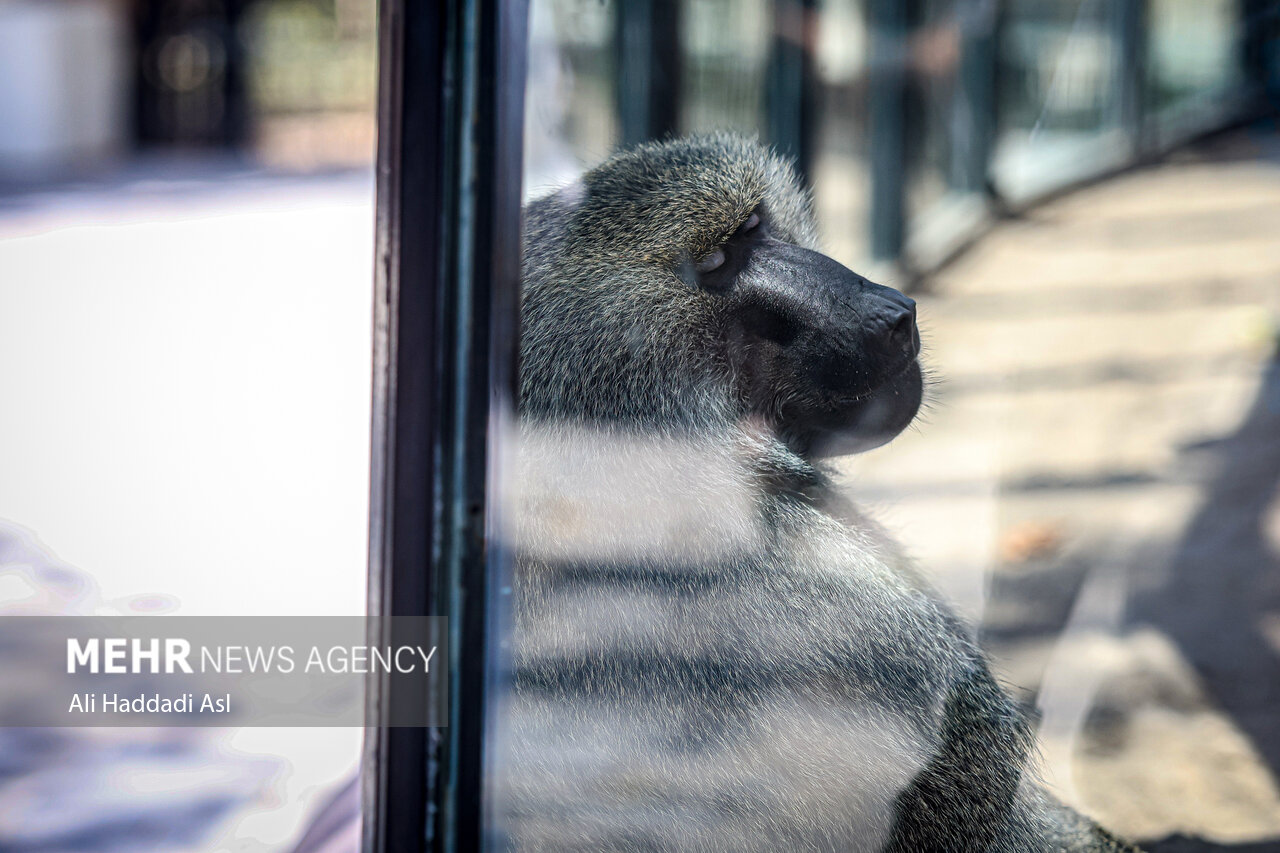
x,y
450,125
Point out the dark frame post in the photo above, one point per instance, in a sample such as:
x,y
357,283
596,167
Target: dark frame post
x,y
450,113
792,87
1260,23
1129,26
647,37
975,103
886,107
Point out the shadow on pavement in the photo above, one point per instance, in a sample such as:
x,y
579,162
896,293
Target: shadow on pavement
x,y
1183,844
1224,582
1222,590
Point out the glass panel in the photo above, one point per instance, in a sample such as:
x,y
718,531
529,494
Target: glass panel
x,y
934,52
1194,62
1059,94
570,120
724,53
950,104
841,185
779,587
723,61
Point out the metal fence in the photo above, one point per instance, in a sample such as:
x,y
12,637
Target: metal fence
x,y
915,120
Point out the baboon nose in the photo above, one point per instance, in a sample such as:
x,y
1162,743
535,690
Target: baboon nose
x,y
904,336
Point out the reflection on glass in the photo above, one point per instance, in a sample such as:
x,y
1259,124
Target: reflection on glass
x,y
1059,94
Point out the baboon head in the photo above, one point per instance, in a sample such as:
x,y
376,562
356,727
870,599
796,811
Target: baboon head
x,y
678,285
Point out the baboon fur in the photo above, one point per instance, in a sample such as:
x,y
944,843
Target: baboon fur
x,y
712,649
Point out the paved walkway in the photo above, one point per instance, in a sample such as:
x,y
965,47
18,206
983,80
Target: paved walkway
x,y
1096,480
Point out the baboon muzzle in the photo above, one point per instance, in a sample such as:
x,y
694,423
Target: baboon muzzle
x,y
843,351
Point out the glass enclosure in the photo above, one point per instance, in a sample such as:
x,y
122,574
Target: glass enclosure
x,y
1061,94
1019,98
1195,62
756,599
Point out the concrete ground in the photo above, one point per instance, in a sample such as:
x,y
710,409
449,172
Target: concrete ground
x,y
1095,482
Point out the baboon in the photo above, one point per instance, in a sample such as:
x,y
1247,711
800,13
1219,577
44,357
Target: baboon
x,y
712,649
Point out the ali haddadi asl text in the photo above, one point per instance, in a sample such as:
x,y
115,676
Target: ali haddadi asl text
x,y
114,703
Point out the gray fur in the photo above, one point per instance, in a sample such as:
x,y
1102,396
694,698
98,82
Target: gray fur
x,y
712,650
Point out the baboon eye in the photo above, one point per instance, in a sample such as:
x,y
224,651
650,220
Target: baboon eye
x,y
713,261
752,221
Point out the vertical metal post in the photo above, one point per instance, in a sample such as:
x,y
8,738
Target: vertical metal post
x,y
791,93
975,106
1260,26
887,31
411,65
1129,28
648,79
445,319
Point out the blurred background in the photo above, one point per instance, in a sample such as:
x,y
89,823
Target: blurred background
x,y
1083,195
186,260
